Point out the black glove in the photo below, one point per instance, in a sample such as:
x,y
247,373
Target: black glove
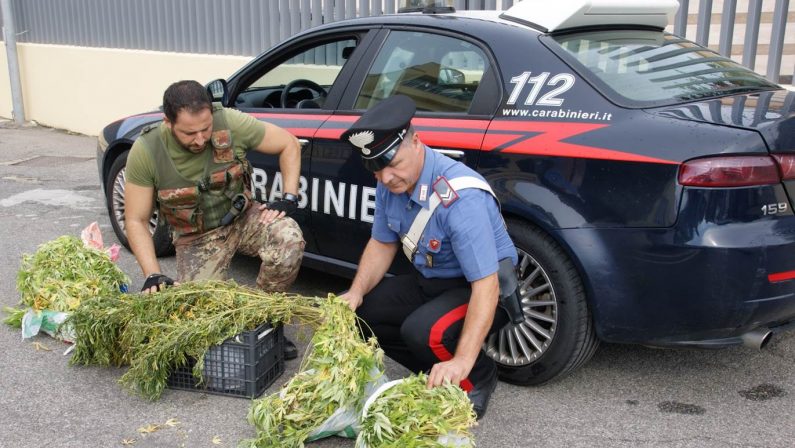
x,y
288,206
158,280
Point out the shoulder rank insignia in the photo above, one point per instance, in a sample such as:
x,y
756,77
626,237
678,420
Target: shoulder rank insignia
x,y
445,191
221,139
150,126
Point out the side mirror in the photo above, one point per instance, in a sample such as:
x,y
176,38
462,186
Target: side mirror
x,y
451,76
217,90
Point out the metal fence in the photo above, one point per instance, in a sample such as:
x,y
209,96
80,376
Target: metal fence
x,y
232,27
248,27
753,16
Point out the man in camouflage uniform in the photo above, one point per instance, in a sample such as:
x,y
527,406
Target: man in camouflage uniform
x,y
194,165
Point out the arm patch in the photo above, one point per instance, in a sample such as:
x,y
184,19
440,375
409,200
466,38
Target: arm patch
x,y
445,192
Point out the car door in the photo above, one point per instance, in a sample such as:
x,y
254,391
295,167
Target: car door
x,y
297,86
450,78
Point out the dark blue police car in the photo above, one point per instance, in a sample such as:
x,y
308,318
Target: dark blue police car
x,y
645,180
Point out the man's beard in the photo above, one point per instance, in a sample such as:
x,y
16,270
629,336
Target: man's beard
x,y
186,148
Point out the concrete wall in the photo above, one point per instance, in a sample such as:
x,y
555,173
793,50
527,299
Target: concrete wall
x,y
82,89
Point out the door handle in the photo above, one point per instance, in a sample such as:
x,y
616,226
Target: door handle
x,y
451,153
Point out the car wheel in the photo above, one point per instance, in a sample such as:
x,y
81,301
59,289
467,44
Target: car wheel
x,y
161,233
557,335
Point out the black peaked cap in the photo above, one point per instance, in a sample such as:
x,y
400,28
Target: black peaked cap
x,y
377,134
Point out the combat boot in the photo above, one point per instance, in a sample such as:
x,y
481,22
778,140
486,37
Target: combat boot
x,y
290,350
481,393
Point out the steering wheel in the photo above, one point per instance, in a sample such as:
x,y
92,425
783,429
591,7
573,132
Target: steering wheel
x,y
311,85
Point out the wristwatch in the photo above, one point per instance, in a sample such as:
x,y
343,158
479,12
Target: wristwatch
x,y
289,197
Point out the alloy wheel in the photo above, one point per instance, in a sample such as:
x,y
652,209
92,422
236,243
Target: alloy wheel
x,y
117,199
522,344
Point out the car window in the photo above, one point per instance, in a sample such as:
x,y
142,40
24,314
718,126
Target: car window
x,y
440,73
312,72
654,68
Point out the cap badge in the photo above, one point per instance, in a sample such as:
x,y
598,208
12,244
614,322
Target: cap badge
x,y
361,140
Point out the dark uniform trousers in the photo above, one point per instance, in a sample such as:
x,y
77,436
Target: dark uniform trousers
x,y
418,322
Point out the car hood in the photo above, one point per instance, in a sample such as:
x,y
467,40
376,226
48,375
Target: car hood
x,y
772,114
129,128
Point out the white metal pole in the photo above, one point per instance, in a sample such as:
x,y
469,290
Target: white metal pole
x,y
10,38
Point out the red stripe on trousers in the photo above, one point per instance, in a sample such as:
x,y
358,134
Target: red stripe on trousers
x,y
435,338
781,276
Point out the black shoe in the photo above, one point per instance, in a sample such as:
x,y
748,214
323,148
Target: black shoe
x,y
480,394
290,350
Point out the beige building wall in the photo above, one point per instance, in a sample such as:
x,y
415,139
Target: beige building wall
x,y
83,89
5,86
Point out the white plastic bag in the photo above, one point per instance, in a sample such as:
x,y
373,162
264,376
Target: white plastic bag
x,y
47,321
345,422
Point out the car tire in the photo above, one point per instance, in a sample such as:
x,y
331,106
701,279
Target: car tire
x,y
557,335
114,195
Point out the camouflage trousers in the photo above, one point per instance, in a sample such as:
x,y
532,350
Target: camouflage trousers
x,y
279,244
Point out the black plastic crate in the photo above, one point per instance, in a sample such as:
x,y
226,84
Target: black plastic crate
x,y
242,366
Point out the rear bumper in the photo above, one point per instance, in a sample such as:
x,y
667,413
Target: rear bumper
x,y
724,342
671,287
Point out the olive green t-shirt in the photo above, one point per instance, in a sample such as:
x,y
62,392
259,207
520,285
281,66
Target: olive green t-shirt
x,y
247,133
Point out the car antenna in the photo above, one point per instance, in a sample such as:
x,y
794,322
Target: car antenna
x,y
432,7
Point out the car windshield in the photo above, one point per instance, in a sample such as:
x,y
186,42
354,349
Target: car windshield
x,y
650,68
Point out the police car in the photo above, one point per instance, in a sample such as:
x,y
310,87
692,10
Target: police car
x,y
645,180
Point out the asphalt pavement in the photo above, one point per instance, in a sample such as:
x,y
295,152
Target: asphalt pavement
x,y
627,396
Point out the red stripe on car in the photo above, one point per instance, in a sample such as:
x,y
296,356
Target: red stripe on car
x,y
451,123
331,134
457,140
510,137
430,122
301,132
781,276
344,118
546,138
302,117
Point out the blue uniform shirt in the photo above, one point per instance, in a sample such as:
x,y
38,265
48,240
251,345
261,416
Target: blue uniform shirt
x,y
467,239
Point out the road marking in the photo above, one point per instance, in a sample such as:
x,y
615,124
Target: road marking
x,y
14,162
22,179
55,198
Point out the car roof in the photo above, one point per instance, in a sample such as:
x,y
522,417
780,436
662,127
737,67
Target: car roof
x,y
534,15
455,21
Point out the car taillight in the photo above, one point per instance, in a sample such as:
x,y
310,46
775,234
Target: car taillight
x,y
730,171
787,164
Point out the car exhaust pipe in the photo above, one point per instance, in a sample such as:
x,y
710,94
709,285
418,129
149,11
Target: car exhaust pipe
x,y
757,338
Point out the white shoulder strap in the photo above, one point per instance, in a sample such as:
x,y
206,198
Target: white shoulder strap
x,y
411,237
